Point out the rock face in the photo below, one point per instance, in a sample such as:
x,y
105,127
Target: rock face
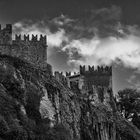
x,y
32,101
35,106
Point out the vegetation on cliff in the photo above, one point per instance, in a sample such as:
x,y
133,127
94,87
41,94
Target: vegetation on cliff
x,y
35,106
30,103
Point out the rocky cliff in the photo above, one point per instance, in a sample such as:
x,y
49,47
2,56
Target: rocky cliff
x,y
35,106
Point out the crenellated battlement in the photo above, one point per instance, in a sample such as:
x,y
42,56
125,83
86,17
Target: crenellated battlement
x,y
57,72
71,74
33,38
68,73
18,37
99,70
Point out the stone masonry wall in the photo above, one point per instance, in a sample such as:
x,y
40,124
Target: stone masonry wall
x,y
33,50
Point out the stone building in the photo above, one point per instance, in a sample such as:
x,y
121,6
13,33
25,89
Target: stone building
x,y
33,50
94,82
102,76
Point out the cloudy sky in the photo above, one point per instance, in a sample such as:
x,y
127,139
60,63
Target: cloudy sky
x,y
86,32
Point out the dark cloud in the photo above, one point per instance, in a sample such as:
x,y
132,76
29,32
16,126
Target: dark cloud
x,y
102,22
14,10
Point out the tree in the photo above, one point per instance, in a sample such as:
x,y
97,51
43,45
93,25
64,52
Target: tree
x,y
128,104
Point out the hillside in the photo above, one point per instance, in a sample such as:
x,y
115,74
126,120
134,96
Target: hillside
x,y
35,106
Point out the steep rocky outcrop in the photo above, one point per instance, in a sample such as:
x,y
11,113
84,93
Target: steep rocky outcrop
x,y
35,106
31,99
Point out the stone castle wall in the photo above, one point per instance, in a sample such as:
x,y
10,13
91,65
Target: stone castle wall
x,y
102,76
33,50
89,81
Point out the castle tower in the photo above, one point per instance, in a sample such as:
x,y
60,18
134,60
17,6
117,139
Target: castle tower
x,y
97,82
6,35
102,76
6,39
32,49
87,79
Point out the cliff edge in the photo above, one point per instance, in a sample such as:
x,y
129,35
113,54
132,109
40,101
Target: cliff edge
x,y
35,106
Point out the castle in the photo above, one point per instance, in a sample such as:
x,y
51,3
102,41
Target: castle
x,y
95,82
34,50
